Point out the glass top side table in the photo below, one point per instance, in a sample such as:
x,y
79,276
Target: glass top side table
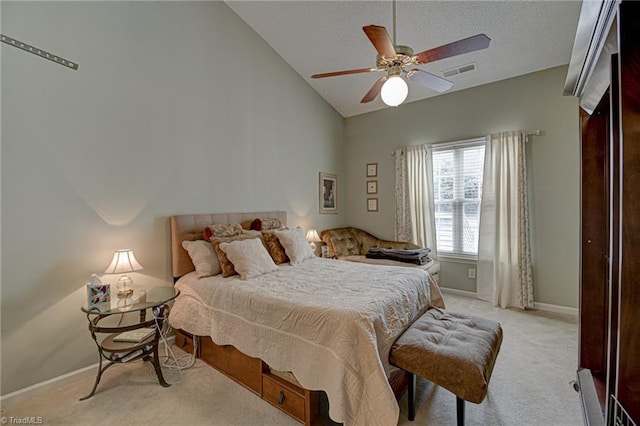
x,y
141,299
117,352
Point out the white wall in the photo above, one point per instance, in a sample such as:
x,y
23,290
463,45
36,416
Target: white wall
x,y
176,108
181,108
533,101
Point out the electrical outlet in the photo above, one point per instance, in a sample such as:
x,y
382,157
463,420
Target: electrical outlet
x,y
472,272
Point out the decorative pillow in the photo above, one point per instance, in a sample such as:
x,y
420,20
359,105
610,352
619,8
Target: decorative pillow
x,y
295,245
269,223
225,264
266,224
254,234
274,247
224,230
249,257
203,256
246,224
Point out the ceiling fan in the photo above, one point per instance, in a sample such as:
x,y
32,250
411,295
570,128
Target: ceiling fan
x,y
399,60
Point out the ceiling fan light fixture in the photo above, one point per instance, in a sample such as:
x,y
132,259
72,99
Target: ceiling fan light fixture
x,y
394,91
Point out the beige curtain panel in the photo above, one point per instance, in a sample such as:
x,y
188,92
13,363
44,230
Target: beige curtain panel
x,y
504,250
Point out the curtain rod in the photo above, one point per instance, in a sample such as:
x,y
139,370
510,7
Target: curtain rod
x,y
536,132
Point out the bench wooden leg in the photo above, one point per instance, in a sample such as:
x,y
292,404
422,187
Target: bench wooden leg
x,y
460,410
412,396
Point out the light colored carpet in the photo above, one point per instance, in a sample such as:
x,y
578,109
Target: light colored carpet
x,y
531,385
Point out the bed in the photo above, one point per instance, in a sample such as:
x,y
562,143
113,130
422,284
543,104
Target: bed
x,y
328,322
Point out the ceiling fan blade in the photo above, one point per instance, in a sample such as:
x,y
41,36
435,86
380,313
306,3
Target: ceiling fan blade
x,y
380,39
429,80
470,44
374,91
335,73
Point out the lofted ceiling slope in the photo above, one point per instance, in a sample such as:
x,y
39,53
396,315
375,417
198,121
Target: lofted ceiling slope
x,y
322,36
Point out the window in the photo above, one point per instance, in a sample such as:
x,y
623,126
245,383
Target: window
x,y
457,189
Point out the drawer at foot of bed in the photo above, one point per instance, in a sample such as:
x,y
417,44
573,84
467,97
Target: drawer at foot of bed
x,y
242,368
184,341
299,403
399,382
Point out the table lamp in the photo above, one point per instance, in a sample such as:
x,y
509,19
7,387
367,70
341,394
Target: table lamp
x,y
124,262
313,238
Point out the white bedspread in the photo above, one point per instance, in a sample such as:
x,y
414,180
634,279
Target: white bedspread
x,y
331,323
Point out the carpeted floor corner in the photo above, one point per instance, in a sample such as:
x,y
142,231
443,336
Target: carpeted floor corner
x,y
530,385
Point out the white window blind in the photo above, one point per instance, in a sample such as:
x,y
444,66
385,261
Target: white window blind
x,y
457,190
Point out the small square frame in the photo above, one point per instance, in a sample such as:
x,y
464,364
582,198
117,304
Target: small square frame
x,y
372,204
372,169
372,187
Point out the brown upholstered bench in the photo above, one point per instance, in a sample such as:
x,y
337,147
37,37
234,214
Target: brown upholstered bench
x,y
455,351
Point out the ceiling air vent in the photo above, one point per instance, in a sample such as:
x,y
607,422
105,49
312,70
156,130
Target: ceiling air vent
x,y
459,70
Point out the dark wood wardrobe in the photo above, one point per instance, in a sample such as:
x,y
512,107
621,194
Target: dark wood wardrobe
x,y
609,327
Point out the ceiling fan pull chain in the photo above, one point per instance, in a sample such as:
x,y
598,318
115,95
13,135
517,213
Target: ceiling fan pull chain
x,y
394,23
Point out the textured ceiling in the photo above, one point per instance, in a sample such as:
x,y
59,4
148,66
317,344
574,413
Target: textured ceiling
x,y
323,36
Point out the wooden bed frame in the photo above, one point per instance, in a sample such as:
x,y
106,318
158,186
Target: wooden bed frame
x,y
252,373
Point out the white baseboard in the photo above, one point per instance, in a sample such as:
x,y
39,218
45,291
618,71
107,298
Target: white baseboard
x,y
556,308
28,392
539,306
464,293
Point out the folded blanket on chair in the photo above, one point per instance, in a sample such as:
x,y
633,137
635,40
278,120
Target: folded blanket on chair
x,y
417,256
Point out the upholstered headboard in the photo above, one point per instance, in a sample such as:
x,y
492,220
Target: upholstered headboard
x,y
190,227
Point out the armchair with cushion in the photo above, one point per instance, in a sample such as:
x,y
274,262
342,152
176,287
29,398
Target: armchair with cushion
x,y
352,244
350,241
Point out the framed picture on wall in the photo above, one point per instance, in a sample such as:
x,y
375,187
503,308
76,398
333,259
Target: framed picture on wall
x,y
328,193
372,204
372,169
372,187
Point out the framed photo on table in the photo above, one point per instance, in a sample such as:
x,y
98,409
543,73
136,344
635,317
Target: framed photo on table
x,y
328,193
98,294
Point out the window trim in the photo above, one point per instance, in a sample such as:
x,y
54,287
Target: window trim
x,y
445,146
439,146
457,257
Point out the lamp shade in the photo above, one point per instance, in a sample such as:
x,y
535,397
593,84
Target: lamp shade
x,y
394,91
123,261
312,236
